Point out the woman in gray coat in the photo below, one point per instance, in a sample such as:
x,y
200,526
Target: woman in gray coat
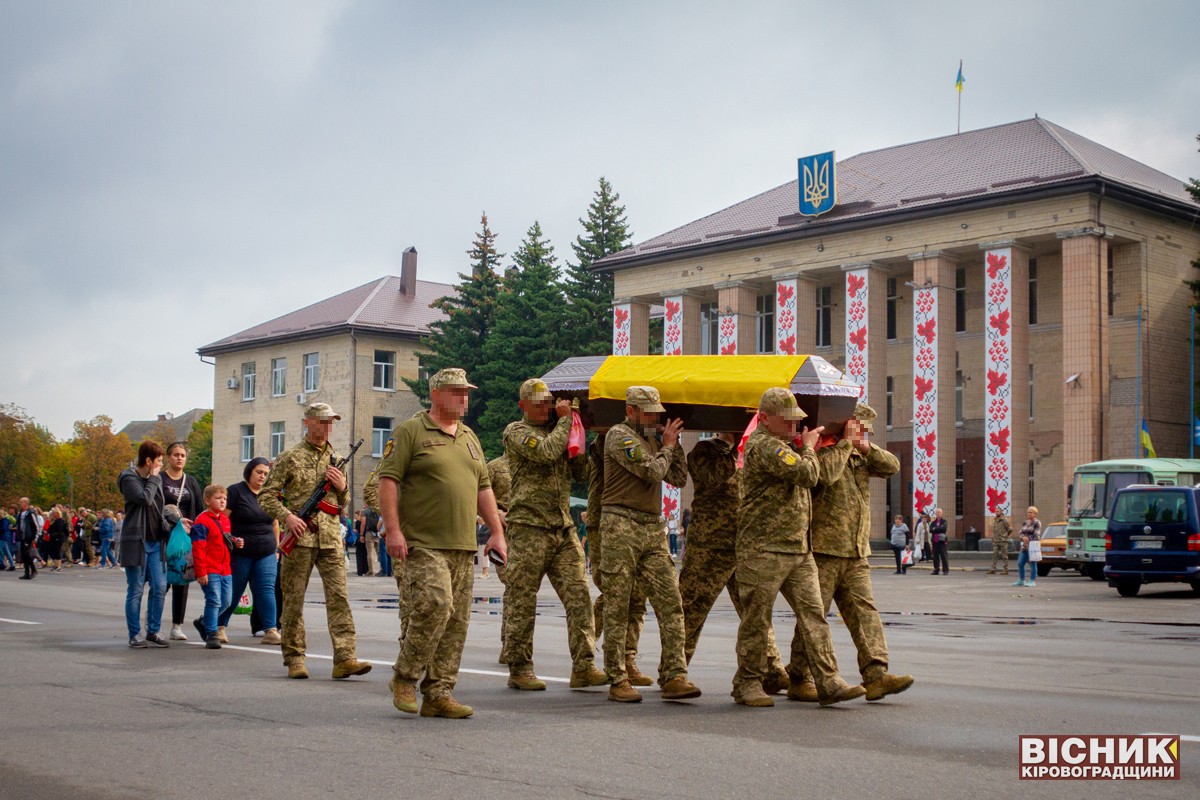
x,y
143,544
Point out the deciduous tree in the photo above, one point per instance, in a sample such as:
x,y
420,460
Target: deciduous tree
x,y
100,457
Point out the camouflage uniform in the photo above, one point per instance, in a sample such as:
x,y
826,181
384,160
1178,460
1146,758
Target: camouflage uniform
x,y
89,551
1001,530
637,599
773,557
841,532
635,546
296,474
371,498
542,542
710,559
501,478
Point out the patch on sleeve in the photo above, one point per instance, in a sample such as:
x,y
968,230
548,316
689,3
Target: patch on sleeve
x,y
632,448
786,455
387,448
531,442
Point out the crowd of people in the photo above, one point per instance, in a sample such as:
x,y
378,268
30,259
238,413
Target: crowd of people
x,y
57,538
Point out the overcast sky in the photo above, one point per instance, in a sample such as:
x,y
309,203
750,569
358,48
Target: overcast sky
x,y
174,172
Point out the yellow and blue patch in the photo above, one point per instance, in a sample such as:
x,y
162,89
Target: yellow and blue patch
x,y
632,448
786,455
531,442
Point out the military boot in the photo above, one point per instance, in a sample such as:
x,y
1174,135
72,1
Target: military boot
x,y
991,572
296,669
624,692
843,694
588,676
635,675
344,669
404,696
679,688
886,684
803,691
776,682
527,682
445,707
753,696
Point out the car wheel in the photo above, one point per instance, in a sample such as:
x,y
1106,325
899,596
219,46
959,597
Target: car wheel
x,y
1095,571
1128,588
1043,570
1196,588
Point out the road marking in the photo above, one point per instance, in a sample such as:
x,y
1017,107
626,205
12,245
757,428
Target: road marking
x,y
1182,737
19,621
268,650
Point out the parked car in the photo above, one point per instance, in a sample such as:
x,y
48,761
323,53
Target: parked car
x,y
1054,550
1153,537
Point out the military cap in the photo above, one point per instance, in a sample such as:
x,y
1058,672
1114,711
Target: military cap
x,y
535,389
320,411
450,378
866,415
781,402
644,397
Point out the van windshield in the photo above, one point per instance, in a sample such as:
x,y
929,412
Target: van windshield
x,y
1145,507
1094,491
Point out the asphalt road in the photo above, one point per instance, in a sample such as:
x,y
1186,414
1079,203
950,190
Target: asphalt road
x,y
85,716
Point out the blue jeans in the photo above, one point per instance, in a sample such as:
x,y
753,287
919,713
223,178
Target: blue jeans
x,y
6,555
260,574
385,561
153,572
1022,560
106,553
218,593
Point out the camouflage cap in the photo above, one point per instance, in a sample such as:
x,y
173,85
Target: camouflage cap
x,y
450,378
535,389
320,411
866,415
644,397
781,402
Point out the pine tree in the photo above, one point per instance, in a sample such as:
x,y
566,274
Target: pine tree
x,y
457,340
590,295
527,334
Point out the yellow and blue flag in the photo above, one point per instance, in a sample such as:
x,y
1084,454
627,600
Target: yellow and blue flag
x,y
958,82
1146,443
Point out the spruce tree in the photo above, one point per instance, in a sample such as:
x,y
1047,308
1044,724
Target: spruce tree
x,y
457,340
527,334
590,295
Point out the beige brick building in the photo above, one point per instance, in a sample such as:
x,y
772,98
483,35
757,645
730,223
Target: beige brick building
x,y
1012,301
351,351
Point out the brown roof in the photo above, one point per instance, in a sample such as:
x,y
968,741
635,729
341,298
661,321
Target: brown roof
x,y
974,167
376,306
137,430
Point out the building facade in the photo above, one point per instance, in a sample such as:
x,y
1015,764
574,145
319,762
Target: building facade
x,y
1011,300
352,351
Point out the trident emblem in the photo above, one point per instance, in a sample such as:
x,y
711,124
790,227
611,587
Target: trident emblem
x,y
818,184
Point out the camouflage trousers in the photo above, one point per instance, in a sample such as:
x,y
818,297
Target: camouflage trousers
x,y
637,599
847,581
761,577
535,553
1000,554
404,610
437,584
635,553
705,573
294,572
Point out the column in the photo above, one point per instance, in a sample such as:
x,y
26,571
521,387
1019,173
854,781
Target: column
x,y
933,382
738,304
681,323
631,328
866,356
1006,371
795,314
1085,346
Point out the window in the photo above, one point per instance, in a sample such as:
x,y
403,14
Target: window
x,y
381,431
385,369
1033,291
891,394
312,371
247,442
277,436
278,377
958,489
764,323
960,299
891,308
1031,392
1032,484
709,324
824,316
248,376
958,393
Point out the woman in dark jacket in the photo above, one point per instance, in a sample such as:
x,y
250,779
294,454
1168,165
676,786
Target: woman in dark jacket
x,y
182,490
58,534
255,562
143,544
938,532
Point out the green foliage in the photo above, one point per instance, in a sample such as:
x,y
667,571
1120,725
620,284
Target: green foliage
x,y
527,335
23,448
605,231
199,442
99,459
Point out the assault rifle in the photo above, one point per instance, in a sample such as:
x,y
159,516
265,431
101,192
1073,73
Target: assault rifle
x,y
315,503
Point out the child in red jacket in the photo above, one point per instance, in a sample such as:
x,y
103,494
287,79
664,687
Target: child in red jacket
x,y
211,543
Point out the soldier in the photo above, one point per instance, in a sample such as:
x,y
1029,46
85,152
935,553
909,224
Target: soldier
x,y
635,547
841,533
710,558
637,599
501,479
773,556
433,477
371,498
296,475
1001,530
542,541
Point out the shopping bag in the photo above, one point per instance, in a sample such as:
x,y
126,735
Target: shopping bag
x,y
1035,550
577,438
906,558
244,606
181,569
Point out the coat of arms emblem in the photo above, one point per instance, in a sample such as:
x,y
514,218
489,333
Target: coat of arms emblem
x,y
818,184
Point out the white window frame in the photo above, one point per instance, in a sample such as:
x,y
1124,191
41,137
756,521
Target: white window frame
x,y
379,436
824,338
278,377
312,371
709,325
389,372
764,323
278,439
249,380
247,443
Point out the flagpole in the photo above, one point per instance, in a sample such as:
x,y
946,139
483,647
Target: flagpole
x,y
958,126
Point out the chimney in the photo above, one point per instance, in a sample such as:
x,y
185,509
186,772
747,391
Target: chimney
x,y
408,272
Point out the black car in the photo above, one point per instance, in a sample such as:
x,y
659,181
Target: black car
x,y
1153,537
